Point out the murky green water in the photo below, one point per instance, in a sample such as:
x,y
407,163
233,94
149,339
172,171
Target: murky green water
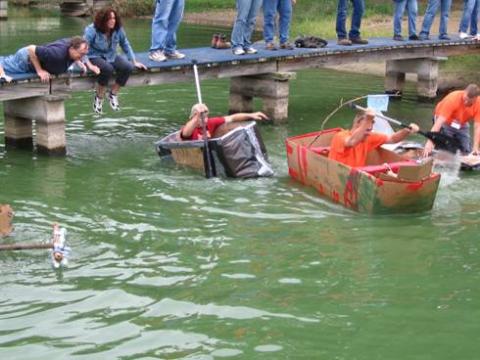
x,y
166,264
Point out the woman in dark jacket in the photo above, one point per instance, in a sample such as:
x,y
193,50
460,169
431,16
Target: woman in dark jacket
x,y
104,36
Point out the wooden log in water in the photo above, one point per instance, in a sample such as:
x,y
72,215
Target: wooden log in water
x,y
24,246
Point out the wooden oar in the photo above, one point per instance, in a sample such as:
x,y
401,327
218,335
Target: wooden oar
x,y
207,161
24,246
440,140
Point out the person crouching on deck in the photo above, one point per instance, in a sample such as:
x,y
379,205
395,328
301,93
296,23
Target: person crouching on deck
x,y
351,147
193,130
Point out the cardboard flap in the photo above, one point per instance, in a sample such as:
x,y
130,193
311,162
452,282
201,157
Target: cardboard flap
x,y
416,172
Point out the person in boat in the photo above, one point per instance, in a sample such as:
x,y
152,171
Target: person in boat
x,y
104,36
452,115
351,147
192,130
46,60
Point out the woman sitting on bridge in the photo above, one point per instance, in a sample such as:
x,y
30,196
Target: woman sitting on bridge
x,y
104,36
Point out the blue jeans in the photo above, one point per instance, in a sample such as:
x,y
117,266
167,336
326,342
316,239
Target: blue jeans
x,y
168,14
18,63
270,8
245,22
432,8
121,66
469,17
412,9
358,9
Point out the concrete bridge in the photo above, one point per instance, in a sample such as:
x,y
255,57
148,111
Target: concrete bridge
x,y
265,75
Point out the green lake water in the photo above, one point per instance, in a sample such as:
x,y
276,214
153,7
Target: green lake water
x,y
166,264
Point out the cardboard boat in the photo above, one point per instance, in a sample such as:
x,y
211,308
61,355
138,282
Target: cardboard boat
x,y
236,150
389,183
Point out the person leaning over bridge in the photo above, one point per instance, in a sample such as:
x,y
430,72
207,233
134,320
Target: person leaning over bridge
x,y
452,115
351,147
469,17
104,36
412,9
284,9
167,18
430,12
46,60
244,25
354,34
193,130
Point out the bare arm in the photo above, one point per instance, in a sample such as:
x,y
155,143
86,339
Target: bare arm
x,y
476,138
191,124
403,133
437,125
246,116
42,74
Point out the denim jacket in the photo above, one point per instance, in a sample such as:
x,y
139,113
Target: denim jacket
x,y
99,46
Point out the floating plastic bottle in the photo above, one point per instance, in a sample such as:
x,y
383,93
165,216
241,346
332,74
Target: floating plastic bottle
x,y
60,250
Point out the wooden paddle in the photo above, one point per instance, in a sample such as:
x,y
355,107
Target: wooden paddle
x,y
207,161
440,140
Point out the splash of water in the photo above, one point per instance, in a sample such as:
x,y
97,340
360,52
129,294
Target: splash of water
x,y
448,165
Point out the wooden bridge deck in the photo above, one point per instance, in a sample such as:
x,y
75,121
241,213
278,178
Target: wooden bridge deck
x,y
214,63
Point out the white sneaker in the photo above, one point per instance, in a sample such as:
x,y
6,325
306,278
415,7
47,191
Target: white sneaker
x,y
113,100
175,55
238,51
157,55
98,104
464,36
477,37
250,50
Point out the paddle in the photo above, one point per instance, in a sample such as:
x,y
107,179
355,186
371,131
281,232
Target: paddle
x,y
207,161
440,140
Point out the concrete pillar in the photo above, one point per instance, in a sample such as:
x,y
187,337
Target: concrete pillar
x,y
48,112
272,88
425,68
3,9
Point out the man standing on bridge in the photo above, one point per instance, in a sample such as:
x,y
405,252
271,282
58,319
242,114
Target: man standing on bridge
x,y
452,115
430,12
354,34
53,58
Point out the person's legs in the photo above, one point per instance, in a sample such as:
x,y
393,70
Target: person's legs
x,y
341,19
250,24
174,20
123,69
243,8
106,72
474,19
17,63
412,9
285,12
163,8
397,17
465,20
430,12
269,13
358,10
445,10
462,135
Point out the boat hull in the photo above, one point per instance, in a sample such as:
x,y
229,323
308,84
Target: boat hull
x,y
355,188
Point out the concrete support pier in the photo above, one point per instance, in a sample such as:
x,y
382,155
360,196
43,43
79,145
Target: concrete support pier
x,y
48,112
425,68
272,88
3,9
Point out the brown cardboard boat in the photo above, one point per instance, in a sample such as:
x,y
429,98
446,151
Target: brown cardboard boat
x,y
389,183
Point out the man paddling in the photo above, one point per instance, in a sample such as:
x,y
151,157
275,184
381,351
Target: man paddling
x,y
452,116
192,130
351,147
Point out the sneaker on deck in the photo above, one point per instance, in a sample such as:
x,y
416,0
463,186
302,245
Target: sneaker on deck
x,y
175,55
464,36
250,50
344,42
359,41
444,37
98,104
238,51
157,55
398,38
414,37
113,100
287,46
271,46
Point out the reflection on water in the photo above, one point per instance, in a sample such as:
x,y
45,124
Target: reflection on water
x,y
167,264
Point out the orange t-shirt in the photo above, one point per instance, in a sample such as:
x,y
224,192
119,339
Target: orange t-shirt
x,y
452,108
356,155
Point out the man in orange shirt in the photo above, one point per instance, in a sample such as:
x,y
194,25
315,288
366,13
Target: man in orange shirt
x,y
351,147
452,115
